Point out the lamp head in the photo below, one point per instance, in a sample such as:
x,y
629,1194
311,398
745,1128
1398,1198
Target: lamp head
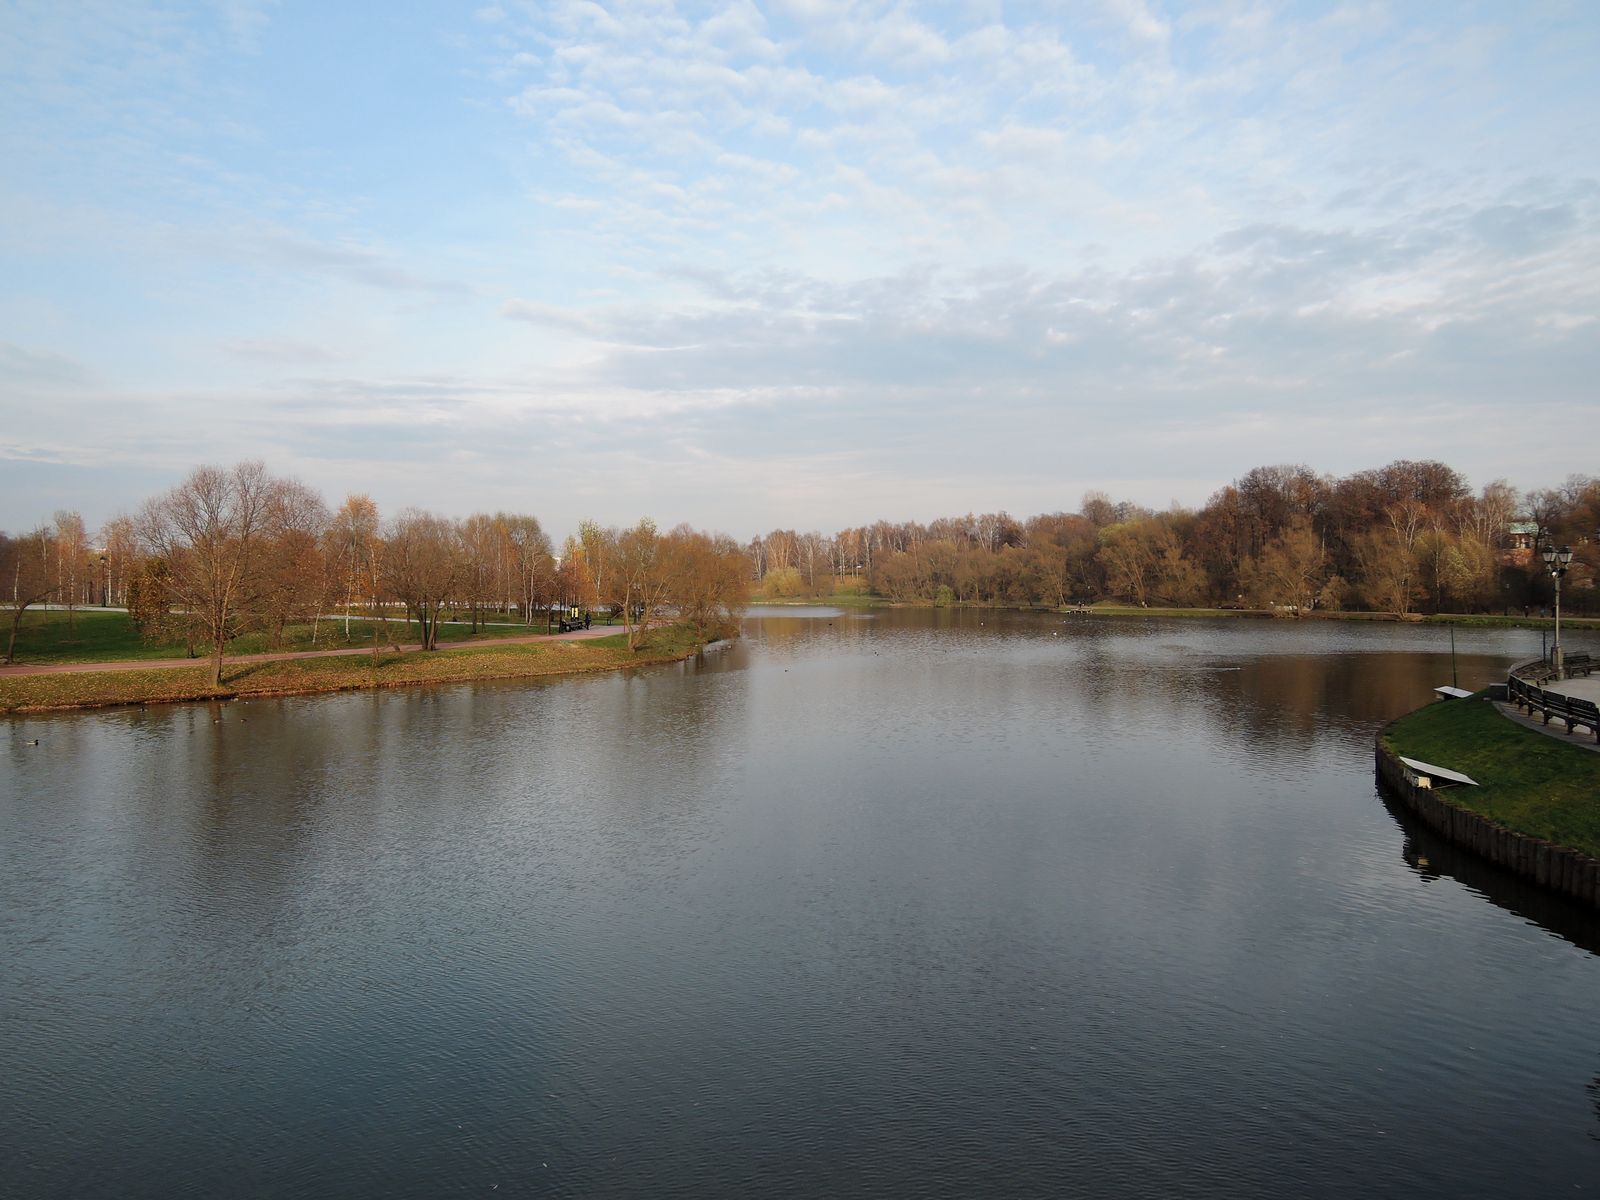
x,y
1565,556
1548,553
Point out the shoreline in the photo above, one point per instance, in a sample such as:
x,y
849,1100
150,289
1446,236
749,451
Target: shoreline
x,y
139,685
1528,808
100,666
1466,620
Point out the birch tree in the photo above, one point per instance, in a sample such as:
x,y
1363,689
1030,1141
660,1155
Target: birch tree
x,y
352,549
71,553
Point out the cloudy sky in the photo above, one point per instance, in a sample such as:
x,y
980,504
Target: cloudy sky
x,y
801,263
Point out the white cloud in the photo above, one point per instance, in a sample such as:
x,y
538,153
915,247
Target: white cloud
x,y
1139,21
27,368
728,239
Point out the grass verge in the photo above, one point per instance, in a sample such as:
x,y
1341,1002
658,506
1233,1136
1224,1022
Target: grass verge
x,y
1133,610
1529,782
95,635
38,693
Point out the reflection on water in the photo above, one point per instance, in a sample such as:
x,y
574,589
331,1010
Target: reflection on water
x,y
1433,859
868,903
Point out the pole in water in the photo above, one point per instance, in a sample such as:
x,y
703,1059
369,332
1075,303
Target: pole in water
x,y
1454,682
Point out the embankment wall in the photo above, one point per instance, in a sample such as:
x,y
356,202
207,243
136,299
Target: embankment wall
x,y
1547,864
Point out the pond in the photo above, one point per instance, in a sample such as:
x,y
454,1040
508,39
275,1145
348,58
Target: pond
x,y
944,903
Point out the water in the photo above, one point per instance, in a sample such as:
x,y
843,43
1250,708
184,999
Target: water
x,y
897,903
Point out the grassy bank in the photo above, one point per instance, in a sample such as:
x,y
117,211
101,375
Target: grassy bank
x,y
1529,782
1133,610
839,600
37,693
95,635
1475,620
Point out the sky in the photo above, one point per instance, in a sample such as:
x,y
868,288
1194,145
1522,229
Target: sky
x,y
807,263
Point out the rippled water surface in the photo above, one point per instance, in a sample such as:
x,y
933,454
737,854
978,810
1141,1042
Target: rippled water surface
x,y
931,903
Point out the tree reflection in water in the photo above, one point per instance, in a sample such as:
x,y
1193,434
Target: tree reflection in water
x,y
1433,859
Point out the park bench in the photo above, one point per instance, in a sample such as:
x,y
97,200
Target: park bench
x,y
1584,712
1578,662
1570,709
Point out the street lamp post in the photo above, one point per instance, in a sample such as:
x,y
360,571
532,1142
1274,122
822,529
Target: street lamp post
x,y
1556,562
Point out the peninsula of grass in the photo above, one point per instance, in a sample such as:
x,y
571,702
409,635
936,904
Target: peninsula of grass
x,y
40,693
1528,782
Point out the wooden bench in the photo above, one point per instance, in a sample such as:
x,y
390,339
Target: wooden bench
x,y
1578,663
1584,712
1570,709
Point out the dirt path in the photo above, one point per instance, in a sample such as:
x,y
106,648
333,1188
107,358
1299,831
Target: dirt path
x,y
156,664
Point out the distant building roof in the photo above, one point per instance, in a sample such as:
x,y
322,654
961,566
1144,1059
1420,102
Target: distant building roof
x,y
1527,527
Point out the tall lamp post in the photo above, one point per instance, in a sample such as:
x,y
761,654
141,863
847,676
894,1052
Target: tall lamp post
x,y
1556,562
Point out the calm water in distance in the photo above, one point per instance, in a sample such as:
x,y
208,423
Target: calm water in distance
x,y
866,904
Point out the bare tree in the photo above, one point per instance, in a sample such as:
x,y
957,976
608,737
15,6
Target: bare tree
x,y
352,539
1290,571
25,568
813,551
596,544
207,531
531,563
639,579
294,574
71,553
1488,517
706,578
1097,509
119,539
1387,568
421,564
479,545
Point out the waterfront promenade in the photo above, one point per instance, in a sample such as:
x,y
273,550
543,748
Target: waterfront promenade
x,y
1582,688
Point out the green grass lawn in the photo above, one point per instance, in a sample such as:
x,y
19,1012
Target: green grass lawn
x,y
1531,783
98,636
1494,621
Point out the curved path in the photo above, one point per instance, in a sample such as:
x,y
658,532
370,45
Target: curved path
x,y
1587,688
149,664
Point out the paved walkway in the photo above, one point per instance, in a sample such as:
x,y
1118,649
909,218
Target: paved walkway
x,y
159,664
1583,688
1557,728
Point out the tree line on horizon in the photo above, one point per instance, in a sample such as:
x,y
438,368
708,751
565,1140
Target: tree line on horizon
x,y
1403,538
235,550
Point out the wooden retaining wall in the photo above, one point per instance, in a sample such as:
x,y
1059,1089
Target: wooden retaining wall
x,y
1547,864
